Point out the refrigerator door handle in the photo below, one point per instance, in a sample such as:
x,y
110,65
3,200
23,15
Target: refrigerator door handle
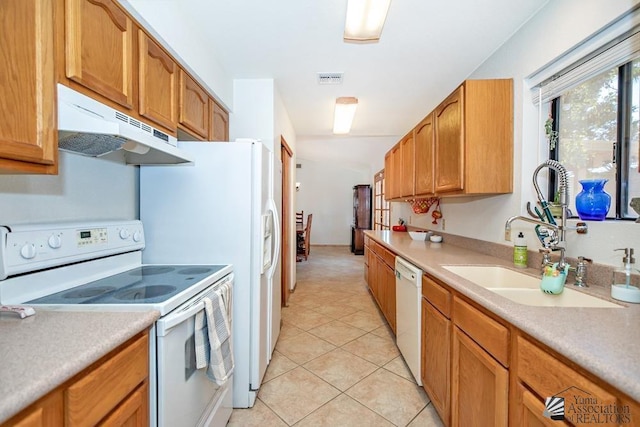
x,y
275,232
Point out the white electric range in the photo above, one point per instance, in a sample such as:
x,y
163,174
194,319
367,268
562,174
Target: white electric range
x,y
98,266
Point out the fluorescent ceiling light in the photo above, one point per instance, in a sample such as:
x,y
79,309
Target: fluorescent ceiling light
x,y
343,115
365,19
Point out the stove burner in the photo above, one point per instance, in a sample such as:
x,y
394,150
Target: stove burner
x,y
88,293
194,270
144,292
149,270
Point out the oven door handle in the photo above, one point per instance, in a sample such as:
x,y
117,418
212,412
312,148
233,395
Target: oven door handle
x,y
166,323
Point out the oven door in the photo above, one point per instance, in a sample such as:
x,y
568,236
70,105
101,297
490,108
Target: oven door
x,y
186,396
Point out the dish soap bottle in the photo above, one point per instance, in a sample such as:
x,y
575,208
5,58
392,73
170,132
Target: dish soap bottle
x,y
621,288
520,251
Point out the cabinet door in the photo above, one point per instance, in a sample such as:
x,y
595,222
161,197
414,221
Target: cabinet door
x,y
389,302
406,175
99,48
396,177
28,135
45,413
194,106
531,409
388,172
480,385
436,342
133,412
423,140
158,83
449,143
219,123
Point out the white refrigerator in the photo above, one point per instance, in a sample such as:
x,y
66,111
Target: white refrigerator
x,y
220,210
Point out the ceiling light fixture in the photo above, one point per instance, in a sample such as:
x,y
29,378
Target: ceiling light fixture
x,y
365,19
343,114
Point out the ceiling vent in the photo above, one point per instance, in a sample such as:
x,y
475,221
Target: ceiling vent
x,y
330,78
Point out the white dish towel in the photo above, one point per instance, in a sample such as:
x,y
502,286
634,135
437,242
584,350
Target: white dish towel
x,y
213,336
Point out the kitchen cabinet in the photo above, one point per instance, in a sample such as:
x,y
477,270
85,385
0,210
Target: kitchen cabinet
x,y
193,106
479,375
474,139
113,391
546,376
99,43
218,123
449,156
406,174
463,147
158,83
382,280
424,165
479,390
28,136
436,345
393,173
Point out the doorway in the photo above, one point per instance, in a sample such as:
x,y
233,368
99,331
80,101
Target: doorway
x,y
286,156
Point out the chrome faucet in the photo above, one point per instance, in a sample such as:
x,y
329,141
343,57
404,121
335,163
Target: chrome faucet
x,y
550,234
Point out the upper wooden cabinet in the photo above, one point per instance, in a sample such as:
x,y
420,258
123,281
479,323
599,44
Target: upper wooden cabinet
x,y
194,106
388,172
474,139
449,156
158,82
218,123
99,48
406,174
423,140
28,136
464,146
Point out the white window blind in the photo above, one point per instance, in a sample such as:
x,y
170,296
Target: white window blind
x,y
613,46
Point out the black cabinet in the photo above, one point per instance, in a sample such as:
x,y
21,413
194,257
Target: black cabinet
x,y
361,217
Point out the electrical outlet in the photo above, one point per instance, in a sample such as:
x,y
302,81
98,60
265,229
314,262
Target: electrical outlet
x,y
409,219
442,224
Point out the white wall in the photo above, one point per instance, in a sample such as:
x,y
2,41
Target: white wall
x,y
558,27
85,189
326,191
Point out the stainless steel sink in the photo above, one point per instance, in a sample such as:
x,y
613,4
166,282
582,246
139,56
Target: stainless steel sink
x,y
523,288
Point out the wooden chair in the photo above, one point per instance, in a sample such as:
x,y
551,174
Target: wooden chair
x,y
299,217
304,245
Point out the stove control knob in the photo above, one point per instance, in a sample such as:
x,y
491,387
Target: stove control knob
x,y
28,251
54,241
124,234
137,236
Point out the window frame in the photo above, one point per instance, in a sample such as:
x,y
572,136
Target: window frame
x,y
621,148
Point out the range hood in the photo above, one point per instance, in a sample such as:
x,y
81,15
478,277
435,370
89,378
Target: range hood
x,y
90,128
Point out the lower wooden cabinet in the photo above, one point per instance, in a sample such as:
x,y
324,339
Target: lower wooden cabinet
x,y
113,392
381,279
531,409
436,358
480,385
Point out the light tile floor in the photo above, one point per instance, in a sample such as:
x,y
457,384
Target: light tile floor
x,y
336,362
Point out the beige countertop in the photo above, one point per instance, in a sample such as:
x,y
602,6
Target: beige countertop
x,y
41,352
604,341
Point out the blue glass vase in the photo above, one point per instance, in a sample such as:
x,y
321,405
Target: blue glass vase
x,y
593,203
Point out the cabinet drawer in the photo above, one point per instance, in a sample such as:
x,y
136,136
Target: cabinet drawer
x,y
388,257
437,295
491,335
101,390
548,376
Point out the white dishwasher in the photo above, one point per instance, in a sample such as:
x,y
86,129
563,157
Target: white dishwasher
x,y
408,314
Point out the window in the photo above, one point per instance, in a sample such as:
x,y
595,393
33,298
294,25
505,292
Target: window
x,y
380,205
597,124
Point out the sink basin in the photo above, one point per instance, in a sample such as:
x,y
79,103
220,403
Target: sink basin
x,y
522,288
493,276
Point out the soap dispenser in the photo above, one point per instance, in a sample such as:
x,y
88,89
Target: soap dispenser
x,y
621,288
